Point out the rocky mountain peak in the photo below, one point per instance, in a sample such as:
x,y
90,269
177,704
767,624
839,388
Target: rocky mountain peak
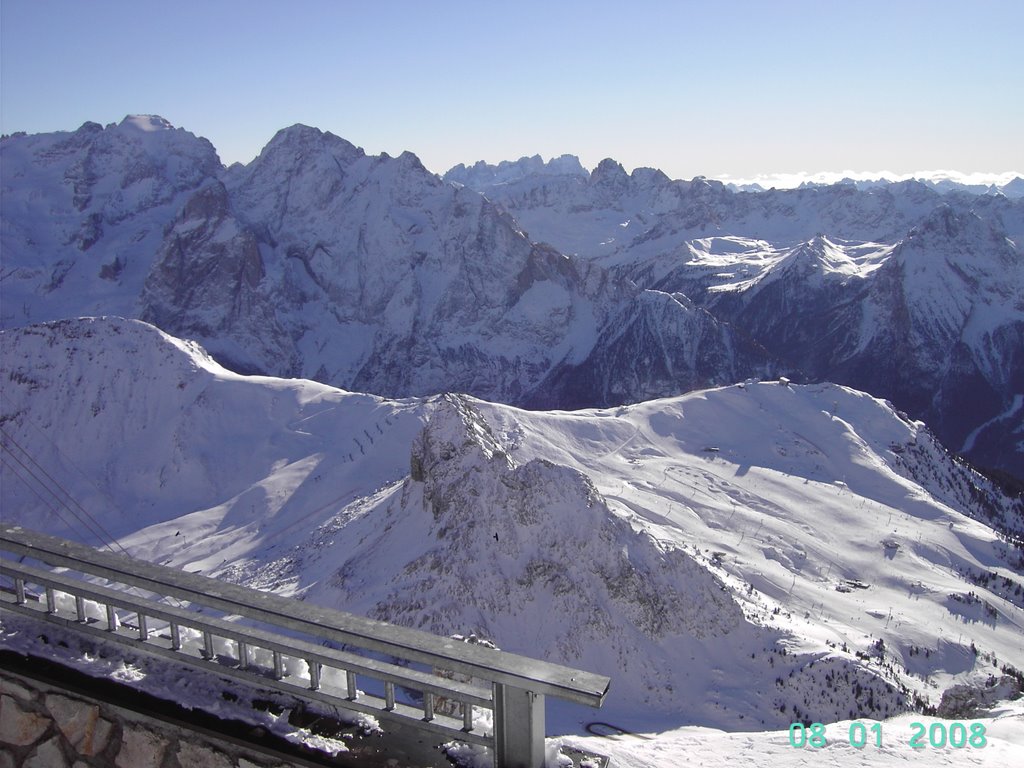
x,y
412,161
943,221
561,560
972,242
610,173
292,145
146,123
455,429
482,174
568,165
89,128
817,253
649,177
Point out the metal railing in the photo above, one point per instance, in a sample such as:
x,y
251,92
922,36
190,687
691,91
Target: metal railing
x,y
285,645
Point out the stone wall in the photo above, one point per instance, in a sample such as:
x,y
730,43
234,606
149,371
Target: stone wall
x,y
42,726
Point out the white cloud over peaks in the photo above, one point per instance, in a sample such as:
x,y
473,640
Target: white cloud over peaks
x,y
789,180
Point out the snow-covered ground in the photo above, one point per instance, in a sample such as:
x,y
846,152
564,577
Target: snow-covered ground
x,y
1002,727
734,559
711,748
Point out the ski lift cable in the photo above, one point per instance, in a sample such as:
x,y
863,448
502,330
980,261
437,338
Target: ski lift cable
x,y
46,502
55,503
68,462
105,537
45,481
94,525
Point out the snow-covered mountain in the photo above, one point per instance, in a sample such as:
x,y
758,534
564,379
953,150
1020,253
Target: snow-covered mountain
x,y
555,287
937,180
611,216
481,175
896,289
934,323
738,557
83,213
614,217
366,272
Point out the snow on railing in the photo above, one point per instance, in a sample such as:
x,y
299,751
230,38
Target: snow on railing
x,y
284,645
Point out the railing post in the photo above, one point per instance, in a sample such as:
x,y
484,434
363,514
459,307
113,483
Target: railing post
x,y
518,728
208,653
243,654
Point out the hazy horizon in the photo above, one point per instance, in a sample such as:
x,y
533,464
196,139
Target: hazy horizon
x,y
736,90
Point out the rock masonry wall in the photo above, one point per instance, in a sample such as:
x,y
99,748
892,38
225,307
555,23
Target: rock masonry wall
x,y
44,727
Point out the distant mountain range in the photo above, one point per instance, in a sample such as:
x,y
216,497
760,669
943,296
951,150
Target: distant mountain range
x,y
483,173
315,260
530,283
898,289
1013,188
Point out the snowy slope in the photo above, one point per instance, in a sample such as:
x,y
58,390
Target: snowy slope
x,y
712,748
179,433
734,558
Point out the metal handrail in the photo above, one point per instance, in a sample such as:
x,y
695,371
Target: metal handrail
x,y
517,684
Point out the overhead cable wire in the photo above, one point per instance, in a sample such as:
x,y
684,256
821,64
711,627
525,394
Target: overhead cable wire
x,y
68,501
105,537
55,503
49,504
69,463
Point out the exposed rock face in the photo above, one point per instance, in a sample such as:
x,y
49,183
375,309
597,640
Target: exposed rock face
x,y
481,174
896,289
935,324
967,701
659,344
560,561
371,273
316,260
946,339
205,284
85,211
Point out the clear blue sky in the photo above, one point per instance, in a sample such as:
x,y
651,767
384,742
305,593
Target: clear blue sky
x,y
718,87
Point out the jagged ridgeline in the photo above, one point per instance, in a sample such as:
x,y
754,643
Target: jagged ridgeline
x,y
531,283
911,291
738,557
319,261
